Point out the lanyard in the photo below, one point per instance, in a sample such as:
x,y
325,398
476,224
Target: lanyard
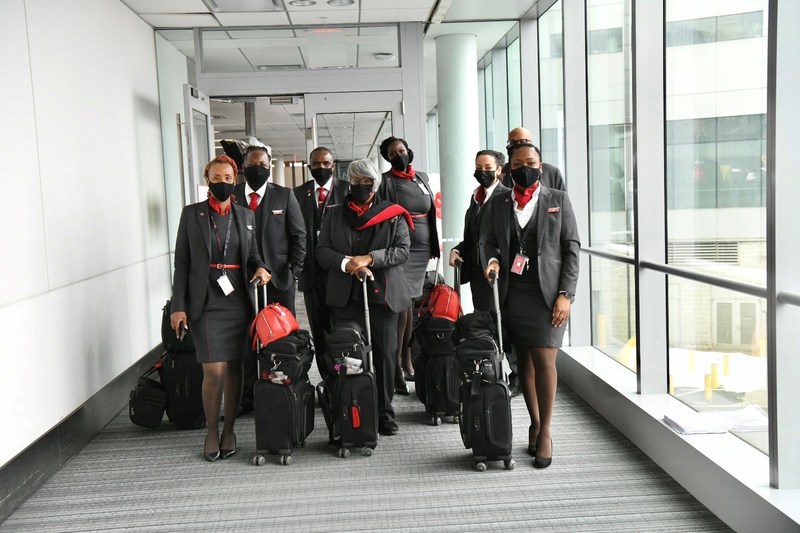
x,y
521,236
224,249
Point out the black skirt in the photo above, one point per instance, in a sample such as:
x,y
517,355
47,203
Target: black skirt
x,y
528,318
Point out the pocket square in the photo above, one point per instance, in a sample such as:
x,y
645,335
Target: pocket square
x,y
553,209
277,211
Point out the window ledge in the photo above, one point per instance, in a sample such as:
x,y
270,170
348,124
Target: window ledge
x,y
722,471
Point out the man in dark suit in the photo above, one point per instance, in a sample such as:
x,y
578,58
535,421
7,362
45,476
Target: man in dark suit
x,y
467,255
551,175
281,237
315,198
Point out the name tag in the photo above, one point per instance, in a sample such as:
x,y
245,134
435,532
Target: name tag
x,y
520,264
225,284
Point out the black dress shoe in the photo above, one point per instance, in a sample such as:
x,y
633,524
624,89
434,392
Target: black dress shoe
x,y
210,457
388,428
544,462
224,454
408,376
531,447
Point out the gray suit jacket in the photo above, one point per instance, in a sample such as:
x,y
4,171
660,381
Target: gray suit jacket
x,y
469,246
282,234
557,232
390,245
193,256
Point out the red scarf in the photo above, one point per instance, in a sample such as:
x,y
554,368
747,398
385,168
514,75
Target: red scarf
x,y
408,174
374,214
523,196
214,204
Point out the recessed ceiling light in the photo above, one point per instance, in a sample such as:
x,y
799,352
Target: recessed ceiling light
x,y
341,2
302,3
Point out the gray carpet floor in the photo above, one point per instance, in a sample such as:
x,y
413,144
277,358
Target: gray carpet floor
x,y
131,478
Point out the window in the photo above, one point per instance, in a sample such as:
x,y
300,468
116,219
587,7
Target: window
x,y
551,90
514,85
613,310
715,29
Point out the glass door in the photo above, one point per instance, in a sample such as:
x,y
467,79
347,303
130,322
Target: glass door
x,y
199,143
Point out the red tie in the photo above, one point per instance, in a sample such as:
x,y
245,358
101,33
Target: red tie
x,y
480,195
322,195
253,201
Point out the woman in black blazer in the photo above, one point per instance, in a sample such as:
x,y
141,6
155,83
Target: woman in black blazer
x,y
364,236
214,251
532,245
409,188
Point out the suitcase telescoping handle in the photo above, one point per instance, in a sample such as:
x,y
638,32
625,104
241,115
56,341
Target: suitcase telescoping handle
x,y
457,279
368,327
496,293
254,284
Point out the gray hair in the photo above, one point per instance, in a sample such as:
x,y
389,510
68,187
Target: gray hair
x,y
365,168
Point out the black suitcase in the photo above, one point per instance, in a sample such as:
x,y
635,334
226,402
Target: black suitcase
x,y
288,358
284,416
148,401
485,423
485,402
182,377
436,377
173,343
351,399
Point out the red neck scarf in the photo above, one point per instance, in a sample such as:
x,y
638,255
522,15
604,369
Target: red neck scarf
x,y
523,196
407,174
214,204
364,217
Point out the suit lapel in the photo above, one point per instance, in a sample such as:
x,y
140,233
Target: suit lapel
x,y
541,212
267,205
505,215
204,221
243,240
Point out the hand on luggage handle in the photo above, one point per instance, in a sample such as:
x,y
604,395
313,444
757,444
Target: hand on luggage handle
x,y
496,293
363,280
255,285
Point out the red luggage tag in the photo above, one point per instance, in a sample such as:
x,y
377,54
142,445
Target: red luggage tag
x,y
355,416
519,264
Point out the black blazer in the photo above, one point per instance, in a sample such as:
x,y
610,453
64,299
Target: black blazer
x,y
193,256
388,191
559,244
308,206
390,245
282,233
551,177
468,247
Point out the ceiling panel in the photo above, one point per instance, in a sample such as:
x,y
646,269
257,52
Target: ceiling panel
x,y
222,60
395,15
179,21
393,4
328,16
472,10
274,57
274,18
172,6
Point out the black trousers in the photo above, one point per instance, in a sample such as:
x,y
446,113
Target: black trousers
x,y
383,323
249,362
319,318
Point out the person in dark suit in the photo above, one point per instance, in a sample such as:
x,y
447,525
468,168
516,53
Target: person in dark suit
x,y
466,255
315,197
214,251
366,236
410,189
551,175
281,238
532,246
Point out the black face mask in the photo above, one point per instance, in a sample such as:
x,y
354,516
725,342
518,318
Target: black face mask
x,y
321,175
400,162
360,193
525,176
485,177
256,176
221,190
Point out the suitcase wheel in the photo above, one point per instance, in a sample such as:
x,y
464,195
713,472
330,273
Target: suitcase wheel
x,y
259,460
480,466
510,464
344,452
455,419
286,460
366,451
436,421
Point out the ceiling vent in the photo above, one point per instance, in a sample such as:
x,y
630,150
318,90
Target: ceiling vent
x,y
284,100
243,6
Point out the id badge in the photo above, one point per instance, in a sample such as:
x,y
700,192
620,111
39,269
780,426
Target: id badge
x,y
225,284
519,264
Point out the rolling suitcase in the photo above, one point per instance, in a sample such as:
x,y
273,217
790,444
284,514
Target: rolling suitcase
x,y
182,377
350,399
485,405
283,397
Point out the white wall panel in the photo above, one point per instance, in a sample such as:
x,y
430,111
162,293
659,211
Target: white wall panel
x,y
21,224
99,133
146,287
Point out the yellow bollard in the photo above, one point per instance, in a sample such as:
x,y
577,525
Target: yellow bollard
x,y
709,394
714,376
671,385
601,330
726,365
691,360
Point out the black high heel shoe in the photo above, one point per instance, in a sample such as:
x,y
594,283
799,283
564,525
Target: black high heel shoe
x,y
544,462
531,447
224,454
210,457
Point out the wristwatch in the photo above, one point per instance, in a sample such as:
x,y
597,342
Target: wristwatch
x,y
569,295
